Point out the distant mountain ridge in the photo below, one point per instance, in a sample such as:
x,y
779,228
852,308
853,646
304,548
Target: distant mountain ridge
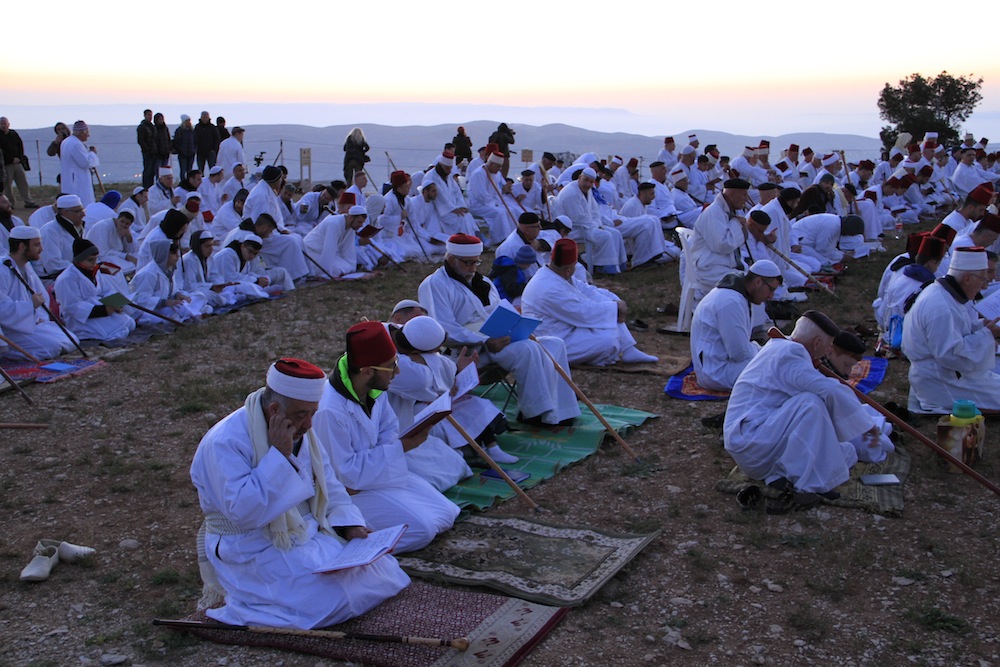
x,y
415,147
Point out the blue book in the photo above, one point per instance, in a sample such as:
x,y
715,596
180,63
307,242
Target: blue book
x,y
506,321
515,475
58,367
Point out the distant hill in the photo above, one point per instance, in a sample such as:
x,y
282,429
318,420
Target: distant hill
x,y
414,147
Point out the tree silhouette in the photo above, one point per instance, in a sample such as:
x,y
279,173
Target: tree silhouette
x,y
920,104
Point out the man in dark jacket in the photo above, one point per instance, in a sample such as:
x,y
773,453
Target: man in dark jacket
x,y
14,162
207,140
145,136
185,145
164,144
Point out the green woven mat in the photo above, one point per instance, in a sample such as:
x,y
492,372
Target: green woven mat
x,y
542,453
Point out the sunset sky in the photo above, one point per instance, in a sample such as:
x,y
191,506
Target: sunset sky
x,y
721,66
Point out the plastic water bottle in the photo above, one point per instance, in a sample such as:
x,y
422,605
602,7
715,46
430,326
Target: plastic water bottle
x,y
899,230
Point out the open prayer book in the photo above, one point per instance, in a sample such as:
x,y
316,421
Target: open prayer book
x,y
440,408
358,552
506,321
368,231
989,307
116,300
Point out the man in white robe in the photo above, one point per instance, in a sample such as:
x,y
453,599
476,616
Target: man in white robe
x,y
461,300
450,202
642,232
486,189
113,236
589,320
22,317
282,249
789,425
231,151
79,290
332,244
528,194
138,205
667,154
163,194
211,190
152,287
76,160
576,201
58,236
951,348
905,283
719,233
311,208
821,235
235,183
8,221
529,228
361,434
721,326
275,513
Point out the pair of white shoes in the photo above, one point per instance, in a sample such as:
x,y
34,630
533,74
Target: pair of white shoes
x,y
49,553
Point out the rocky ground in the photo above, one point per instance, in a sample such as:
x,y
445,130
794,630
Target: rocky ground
x,y
826,587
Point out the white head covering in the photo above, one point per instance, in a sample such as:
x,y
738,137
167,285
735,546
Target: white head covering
x,y
166,171
688,150
25,233
68,201
589,171
495,158
765,268
968,259
565,220
296,388
406,303
214,170
464,249
357,209
829,159
424,333
446,161
678,176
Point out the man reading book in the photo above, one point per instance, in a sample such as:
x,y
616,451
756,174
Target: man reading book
x,y
275,514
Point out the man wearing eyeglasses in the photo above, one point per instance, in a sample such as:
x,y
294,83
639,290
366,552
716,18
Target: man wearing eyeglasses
x,y
951,348
720,329
58,235
461,300
360,432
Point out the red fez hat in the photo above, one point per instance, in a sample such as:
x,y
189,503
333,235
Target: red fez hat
x,y
907,180
980,153
668,140
944,232
932,247
913,148
867,164
892,182
913,242
930,143
297,368
764,143
368,344
347,198
564,252
492,148
982,194
807,151
926,170
398,178
793,147
633,163
990,222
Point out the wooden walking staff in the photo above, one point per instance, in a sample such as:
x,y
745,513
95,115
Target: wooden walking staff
x,y
583,397
6,376
774,332
459,643
318,265
798,268
478,449
93,170
502,200
389,157
386,255
27,355
10,265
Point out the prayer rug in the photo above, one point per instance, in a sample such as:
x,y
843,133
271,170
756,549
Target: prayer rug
x,y
865,376
555,565
885,500
139,335
28,370
502,630
541,453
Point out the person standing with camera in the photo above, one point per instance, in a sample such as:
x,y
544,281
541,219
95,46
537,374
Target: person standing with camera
x,y
15,164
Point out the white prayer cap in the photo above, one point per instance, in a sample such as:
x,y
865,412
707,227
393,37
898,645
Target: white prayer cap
x,y
166,170
215,170
406,303
464,245
424,333
688,150
68,201
447,159
895,151
617,160
296,379
185,117
565,220
692,138
830,158
968,259
194,194
939,148
969,136
588,158
712,160
589,171
495,158
250,237
25,233
139,189
357,209
206,235
765,268
748,152
236,164
930,135
677,176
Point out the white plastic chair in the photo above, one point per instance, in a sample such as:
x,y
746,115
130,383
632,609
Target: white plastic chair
x,y
685,311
